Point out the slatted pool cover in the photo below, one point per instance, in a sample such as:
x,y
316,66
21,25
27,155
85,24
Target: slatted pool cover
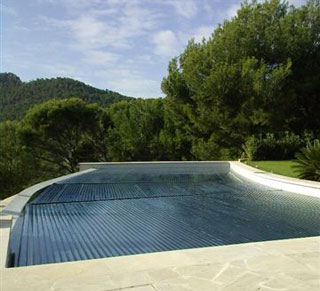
x,y
122,210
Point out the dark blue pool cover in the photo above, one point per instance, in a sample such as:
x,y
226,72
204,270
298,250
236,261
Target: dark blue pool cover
x,y
124,210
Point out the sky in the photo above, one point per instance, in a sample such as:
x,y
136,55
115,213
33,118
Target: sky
x,y
120,45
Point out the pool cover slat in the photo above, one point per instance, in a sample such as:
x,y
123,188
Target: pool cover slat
x,y
95,192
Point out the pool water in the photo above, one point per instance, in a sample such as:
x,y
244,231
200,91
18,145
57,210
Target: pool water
x,y
134,209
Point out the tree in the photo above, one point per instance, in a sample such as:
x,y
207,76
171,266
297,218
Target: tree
x,y
258,73
17,167
136,128
66,132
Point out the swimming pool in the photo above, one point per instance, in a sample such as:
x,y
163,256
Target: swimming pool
x,y
141,208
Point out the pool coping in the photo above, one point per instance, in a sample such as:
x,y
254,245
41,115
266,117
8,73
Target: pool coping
x,y
298,186
16,205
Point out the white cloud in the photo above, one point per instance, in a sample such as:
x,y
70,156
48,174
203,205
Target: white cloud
x,y
61,70
73,4
203,32
185,8
197,34
100,58
166,43
129,82
232,10
137,87
90,30
87,29
8,10
104,12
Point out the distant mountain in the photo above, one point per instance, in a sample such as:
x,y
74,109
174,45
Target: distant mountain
x,y
16,97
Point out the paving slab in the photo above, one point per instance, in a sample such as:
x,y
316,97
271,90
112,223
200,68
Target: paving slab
x,y
292,264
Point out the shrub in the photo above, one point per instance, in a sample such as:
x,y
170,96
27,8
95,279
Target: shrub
x,y
272,147
308,162
250,148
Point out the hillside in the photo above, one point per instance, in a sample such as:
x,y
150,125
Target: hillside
x,y
16,97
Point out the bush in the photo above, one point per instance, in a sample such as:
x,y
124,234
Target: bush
x,y
250,148
308,162
270,147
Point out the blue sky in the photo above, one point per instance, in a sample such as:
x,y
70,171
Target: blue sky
x,y
121,45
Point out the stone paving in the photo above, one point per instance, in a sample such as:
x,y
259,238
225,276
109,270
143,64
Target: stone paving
x,y
292,264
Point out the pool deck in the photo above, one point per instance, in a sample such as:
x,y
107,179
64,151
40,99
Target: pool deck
x,y
292,264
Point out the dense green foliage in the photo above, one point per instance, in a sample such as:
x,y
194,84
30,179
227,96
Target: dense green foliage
x,y
18,168
66,132
308,162
251,89
17,97
258,73
136,130
272,147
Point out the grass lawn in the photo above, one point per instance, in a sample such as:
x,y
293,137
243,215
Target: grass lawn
x,y
276,167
